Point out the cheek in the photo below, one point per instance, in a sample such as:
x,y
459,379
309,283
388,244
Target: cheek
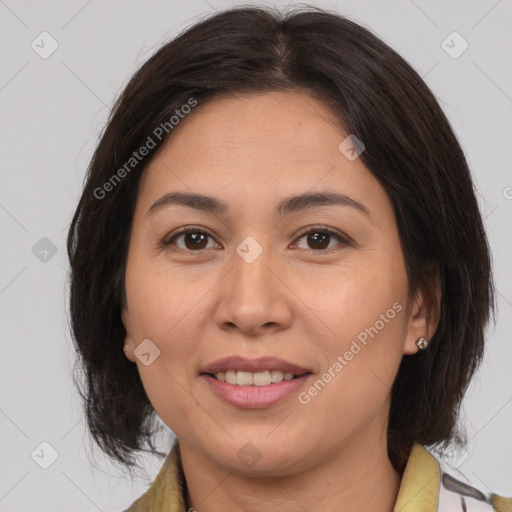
x,y
163,301
169,314
353,297
354,384
166,315
365,311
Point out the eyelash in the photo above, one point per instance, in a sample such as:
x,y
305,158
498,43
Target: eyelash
x,y
344,240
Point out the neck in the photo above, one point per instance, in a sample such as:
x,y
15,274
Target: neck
x,y
357,476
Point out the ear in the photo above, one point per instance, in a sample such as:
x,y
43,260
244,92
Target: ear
x,y
129,342
424,310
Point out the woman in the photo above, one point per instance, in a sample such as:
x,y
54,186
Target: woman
x,y
279,229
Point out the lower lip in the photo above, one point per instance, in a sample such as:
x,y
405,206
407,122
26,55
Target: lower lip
x,y
255,397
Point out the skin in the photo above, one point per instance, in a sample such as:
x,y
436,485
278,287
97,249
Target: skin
x,y
300,300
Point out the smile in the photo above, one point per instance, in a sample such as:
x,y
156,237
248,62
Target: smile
x,y
263,378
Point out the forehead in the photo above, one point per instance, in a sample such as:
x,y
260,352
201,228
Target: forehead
x,y
257,149
291,125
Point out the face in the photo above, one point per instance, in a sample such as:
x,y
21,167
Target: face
x,y
308,298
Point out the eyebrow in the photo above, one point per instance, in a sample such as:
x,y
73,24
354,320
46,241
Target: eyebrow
x,y
286,206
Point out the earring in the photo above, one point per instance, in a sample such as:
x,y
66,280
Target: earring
x,y
421,343
125,348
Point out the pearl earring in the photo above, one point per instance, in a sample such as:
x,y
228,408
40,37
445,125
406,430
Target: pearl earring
x,y
421,343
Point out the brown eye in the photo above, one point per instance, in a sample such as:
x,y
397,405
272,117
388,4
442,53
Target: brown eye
x,y
319,239
193,240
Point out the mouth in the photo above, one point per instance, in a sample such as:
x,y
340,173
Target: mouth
x,y
254,383
262,371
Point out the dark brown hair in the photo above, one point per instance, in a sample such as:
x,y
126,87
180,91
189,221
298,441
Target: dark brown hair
x,y
410,149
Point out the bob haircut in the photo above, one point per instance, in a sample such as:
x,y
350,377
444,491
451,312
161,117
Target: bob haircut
x,y
410,149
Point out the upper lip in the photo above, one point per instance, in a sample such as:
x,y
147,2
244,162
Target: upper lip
x,y
260,364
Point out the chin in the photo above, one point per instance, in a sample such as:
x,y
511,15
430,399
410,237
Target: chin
x,y
258,455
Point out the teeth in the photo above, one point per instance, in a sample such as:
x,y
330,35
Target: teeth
x,y
230,377
276,376
244,378
261,378
255,379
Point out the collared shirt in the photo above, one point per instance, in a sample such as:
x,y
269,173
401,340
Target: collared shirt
x,y
428,485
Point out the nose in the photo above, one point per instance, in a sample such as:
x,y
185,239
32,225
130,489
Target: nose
x,y
253,297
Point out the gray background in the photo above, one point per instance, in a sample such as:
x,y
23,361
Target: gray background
x,y
52,111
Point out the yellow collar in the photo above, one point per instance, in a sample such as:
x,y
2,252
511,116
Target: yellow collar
x,y
419,489
167,490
